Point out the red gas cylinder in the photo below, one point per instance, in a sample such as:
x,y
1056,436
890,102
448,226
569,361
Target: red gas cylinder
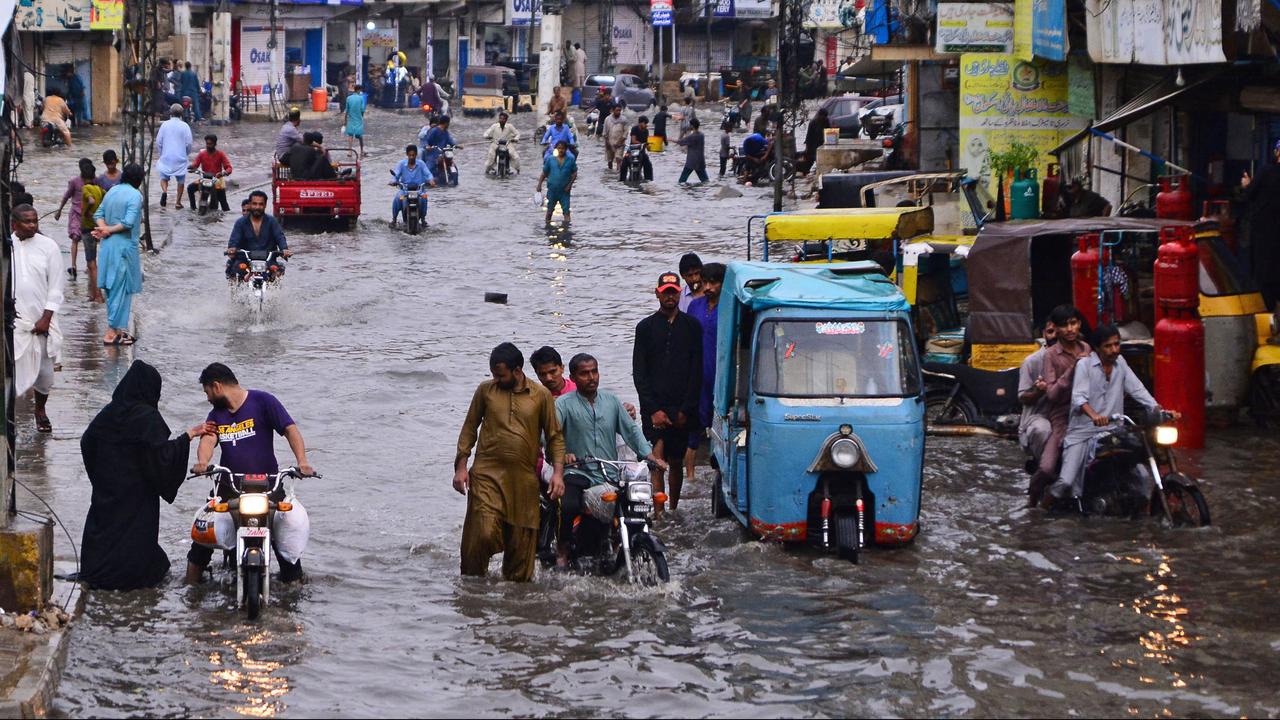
x,y
1177,270
1219,211
1050,192
1084,277
1179,368
1173,202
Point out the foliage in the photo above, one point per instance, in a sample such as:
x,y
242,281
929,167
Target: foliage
x,y
1019,156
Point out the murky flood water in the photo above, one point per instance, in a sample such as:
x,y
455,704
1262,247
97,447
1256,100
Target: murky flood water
x,y
375,342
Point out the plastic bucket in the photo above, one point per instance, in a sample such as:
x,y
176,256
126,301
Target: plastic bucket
x,y
576,97
655,143
319,99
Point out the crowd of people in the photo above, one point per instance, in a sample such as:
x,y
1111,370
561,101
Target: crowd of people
x,y
529,438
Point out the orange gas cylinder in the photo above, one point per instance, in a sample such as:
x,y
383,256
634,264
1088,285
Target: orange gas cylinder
x,y
1177,270
1173,202
1219,211
1084,277
1179,369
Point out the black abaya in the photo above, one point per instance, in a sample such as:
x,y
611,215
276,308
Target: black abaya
x,y
132,463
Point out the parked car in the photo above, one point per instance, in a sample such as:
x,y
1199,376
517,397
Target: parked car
x,y
844,112
628,88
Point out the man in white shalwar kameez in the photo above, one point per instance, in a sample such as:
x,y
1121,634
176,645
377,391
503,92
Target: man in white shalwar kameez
x,y
38,276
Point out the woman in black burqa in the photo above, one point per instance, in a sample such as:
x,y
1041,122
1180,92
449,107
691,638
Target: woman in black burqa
x,y
132,463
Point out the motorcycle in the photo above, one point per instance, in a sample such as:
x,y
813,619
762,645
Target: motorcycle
x,y
411,197
894,159
259,269
633,164
188,115
962,400
50,136
612,533
1134,472
502,160
447,167
730,117
593,122
243,525
207,195
875,124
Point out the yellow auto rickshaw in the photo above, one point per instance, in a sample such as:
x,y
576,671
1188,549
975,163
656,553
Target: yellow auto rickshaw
x,y
488,90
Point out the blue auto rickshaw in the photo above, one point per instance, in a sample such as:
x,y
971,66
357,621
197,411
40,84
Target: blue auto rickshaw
x,y
818,428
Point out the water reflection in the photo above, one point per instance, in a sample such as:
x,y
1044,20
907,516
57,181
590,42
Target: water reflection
x,y
241,670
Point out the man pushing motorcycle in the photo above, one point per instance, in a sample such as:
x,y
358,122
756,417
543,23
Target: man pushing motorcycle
x,y
246,420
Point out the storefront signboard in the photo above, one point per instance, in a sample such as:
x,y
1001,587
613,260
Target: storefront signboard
x,y
1049,29
1155,32
974,27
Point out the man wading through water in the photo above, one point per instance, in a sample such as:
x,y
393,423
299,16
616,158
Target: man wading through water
x,y
509,414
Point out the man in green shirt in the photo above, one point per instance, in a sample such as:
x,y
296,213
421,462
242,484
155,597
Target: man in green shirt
x,y
591,420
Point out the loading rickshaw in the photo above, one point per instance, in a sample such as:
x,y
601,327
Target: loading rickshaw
x,y
336,198
818,428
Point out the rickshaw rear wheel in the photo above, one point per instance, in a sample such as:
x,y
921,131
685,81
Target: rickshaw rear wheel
x,y
847,537
718,509
1187,505
961,411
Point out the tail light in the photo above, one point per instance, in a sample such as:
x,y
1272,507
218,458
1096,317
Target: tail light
x,y
888,142
244,266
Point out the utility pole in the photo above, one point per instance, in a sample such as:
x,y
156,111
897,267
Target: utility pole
x,y
10,152
606,36
789,107
273,46
549,57
141,83
709,10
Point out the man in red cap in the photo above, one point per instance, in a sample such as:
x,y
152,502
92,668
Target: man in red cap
x,y
666,365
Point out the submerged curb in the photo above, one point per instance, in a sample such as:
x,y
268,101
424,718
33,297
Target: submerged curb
x,y
32,696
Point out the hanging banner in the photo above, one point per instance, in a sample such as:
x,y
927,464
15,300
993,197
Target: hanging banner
x,y
1080,87
1049,29
974,27
106,15
1154,32
53,15
518,12
1003,99
1022,34
660,12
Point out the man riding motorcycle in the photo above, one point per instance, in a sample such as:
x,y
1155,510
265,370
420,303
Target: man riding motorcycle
x,y
496,133
246,420
256,232
591,420
213,161
433,139
557,131
414,175
639,136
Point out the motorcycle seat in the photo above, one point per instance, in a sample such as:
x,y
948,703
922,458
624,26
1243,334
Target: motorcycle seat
x,y
994,391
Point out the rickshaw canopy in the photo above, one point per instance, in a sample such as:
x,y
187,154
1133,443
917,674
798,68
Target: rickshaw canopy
x,y
485,79
855,286
848,223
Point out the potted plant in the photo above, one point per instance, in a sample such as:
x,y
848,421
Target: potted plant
x,y
1009,164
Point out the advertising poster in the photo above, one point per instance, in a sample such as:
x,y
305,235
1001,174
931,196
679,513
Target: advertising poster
x,y
1049,29
52,15
1022,34
1003,99
256,62
974,27
519,11
106,15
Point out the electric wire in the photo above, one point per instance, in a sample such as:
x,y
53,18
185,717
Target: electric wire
x,y
75,552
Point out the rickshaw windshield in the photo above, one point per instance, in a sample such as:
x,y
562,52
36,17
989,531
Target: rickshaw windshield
x,y
1221,272
835,358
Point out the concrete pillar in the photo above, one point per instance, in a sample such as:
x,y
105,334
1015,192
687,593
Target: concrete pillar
x,y
454,55
549,55
26,565
107,84
428,58
220,65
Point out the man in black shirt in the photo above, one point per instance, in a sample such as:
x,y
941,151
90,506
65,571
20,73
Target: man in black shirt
x,y
639,136
667,367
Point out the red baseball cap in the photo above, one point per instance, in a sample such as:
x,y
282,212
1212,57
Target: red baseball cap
x,y
668,281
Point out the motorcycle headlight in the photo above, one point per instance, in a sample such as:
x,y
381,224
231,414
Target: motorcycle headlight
x,y
640,492
1166,435
255,504
844,452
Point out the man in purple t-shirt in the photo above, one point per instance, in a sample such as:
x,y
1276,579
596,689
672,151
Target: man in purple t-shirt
x,y
247,421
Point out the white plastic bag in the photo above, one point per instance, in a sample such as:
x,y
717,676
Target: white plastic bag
x,y
595,504
213,529
291,531
538,200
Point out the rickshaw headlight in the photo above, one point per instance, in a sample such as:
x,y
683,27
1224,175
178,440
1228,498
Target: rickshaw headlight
x,y
1166,435
640,492
844,452
253,504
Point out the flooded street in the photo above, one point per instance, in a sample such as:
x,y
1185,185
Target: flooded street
x,y
375,343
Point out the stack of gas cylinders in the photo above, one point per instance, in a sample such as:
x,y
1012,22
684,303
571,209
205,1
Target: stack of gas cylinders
x,y
1179,335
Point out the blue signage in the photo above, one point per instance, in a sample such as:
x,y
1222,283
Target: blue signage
x,y
661,18
1049,29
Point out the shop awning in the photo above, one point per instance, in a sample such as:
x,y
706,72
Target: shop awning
x,y
1159,95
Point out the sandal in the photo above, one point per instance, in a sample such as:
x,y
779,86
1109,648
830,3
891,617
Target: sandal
x,y
125,338
43,425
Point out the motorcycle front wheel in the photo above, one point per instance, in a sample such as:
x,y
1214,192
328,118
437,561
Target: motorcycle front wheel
x,y
648,563
412,223
938,411
1187,505
253,591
